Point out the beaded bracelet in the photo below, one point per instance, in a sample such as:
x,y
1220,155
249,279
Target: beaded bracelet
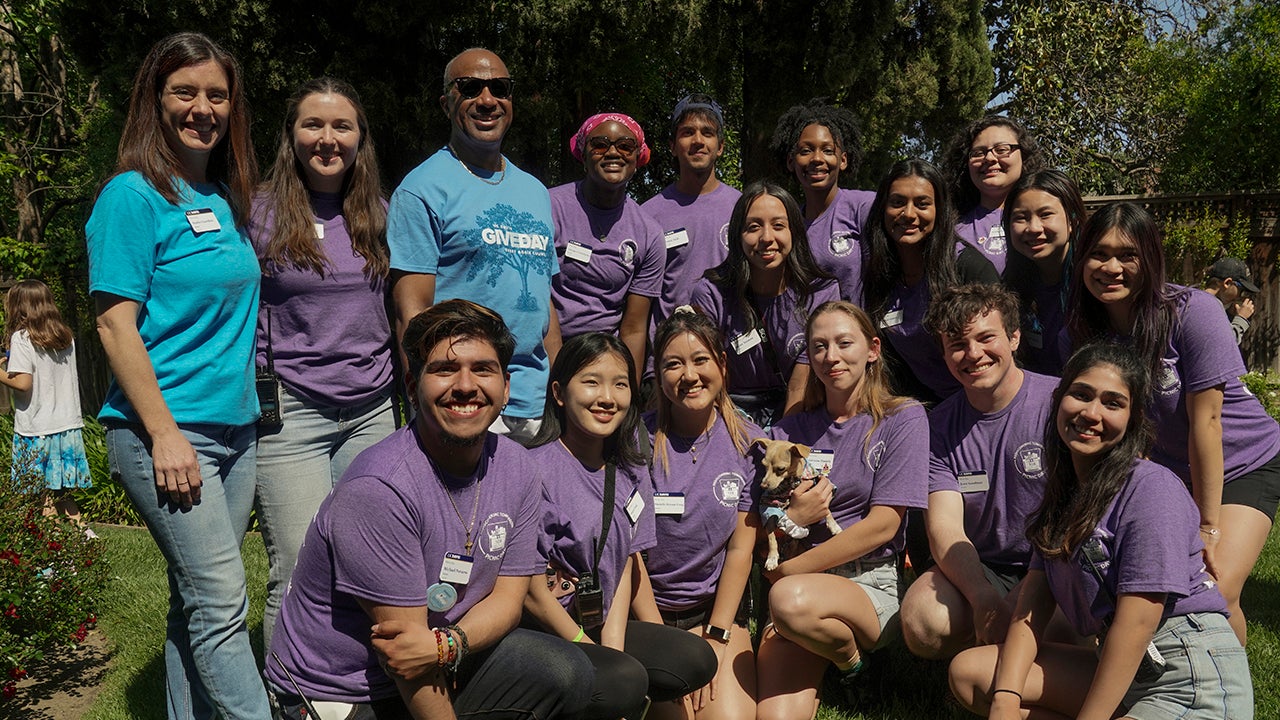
x,y
440,651
463,646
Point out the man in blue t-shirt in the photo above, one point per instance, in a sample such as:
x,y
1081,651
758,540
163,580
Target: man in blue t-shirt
x,y
467,223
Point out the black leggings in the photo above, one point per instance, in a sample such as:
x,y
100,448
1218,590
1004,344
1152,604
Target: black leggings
x,y
660,662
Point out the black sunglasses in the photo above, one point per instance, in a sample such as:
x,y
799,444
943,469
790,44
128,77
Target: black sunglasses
x,y
599,145
470,87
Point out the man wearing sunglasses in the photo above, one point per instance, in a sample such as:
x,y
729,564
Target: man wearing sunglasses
x,y
694,210
469,224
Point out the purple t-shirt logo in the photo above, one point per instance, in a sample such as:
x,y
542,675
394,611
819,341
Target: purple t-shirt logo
x,y
874,455
724,235
1168,383
728,488
493,539
1029,459
841,244
628,250
796,346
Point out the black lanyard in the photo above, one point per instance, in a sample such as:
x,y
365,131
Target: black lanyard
x,y
606,514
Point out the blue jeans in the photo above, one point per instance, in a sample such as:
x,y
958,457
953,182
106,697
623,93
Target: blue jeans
x,y
209,665
297,467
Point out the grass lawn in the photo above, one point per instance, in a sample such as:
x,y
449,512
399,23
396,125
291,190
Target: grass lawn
x,y
901,688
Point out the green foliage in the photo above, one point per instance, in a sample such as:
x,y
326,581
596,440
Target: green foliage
x,y
1265,387
106,501
51,577
1230,94
1192,243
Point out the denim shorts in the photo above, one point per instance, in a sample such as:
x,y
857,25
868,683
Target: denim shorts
x,y
879,580
1207,677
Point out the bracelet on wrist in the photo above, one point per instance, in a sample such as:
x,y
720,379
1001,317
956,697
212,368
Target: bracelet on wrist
x,y
581,634
788,526
1006,690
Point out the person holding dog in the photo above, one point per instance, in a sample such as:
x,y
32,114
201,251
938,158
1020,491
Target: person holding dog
x,y
986,475
830,603
1116,545
703,506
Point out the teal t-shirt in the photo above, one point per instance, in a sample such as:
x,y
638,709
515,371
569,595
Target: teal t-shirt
x,y
195,278
490,244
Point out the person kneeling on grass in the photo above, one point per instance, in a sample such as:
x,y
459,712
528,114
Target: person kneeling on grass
x,y
1116,545
409,585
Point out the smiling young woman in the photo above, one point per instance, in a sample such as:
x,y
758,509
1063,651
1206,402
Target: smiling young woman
x,y
319,228
612,255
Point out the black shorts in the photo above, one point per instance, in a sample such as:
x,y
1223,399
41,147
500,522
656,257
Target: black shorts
x,y
1259,489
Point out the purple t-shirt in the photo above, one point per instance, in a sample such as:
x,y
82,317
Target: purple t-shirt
x,y
572,500
1150,537
890,468
330,336
903,327
752,367
996,462
604,256
836,238
714,481
696,237
983,229
1201,354
382,535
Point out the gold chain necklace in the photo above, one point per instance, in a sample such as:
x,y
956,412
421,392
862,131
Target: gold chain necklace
x,y
502,170
475,507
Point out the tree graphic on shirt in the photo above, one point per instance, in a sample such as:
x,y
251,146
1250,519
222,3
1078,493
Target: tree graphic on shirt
x,y
508,238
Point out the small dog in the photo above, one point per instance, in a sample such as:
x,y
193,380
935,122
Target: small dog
x,y
784,469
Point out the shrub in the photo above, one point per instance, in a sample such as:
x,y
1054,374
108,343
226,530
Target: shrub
x,y
51,576
1267,389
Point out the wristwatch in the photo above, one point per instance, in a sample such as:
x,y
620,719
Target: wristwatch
x,y
716,633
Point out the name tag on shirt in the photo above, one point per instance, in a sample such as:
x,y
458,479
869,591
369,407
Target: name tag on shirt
x,y
635,506
319,230
892,318
746,341
456,568
819,463
668,503
676,238
577,251
203,220
974,481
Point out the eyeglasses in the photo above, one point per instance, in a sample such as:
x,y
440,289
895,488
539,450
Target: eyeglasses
x,y
599,145
471,87
1001,150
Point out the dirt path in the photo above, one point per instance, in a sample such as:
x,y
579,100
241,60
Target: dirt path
x,y
64,688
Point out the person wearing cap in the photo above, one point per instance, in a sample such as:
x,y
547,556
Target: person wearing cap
x,y
1229,279
467,223
610,252
411,611
694,210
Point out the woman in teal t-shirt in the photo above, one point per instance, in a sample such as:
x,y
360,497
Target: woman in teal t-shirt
x,y
175,281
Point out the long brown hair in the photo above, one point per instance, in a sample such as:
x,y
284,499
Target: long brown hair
x,y
1072,506
686,320
293,238
876,401
142,144
29,306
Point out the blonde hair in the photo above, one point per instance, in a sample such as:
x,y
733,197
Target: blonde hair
x,y
29,306
875,399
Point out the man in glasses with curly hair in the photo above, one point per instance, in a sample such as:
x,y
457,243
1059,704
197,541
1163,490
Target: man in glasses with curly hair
x,y
469,224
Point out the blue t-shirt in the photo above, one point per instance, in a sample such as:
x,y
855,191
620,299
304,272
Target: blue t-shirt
x,y
197,292
490,244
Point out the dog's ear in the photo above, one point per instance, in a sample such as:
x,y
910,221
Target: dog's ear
x,y
799,451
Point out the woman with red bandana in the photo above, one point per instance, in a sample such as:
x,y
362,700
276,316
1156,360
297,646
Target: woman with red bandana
x,y
611,253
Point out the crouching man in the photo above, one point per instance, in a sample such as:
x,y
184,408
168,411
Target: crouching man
x,y
986,476
409,585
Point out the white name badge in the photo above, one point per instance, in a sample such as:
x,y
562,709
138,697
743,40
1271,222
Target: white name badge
x,y
973,481
892,318
635,506
319,230
577,251
819,463
668,503
676,238
746,341
456,568
203,220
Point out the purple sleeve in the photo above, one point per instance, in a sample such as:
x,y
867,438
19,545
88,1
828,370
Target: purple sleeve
x,y
373,559
652,264
524,555
1203,336
1151,537
901,476
706,297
